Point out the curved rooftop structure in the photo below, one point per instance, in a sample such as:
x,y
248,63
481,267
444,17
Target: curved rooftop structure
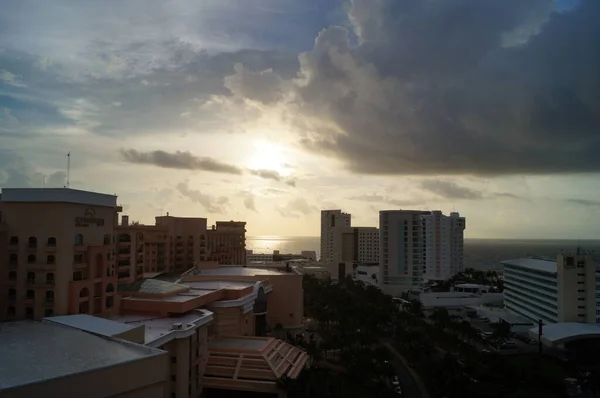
x,y
565,332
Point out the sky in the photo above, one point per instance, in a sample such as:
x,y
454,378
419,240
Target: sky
x,y
270,110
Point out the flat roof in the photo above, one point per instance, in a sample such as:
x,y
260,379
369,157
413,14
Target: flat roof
x,y
92,324
238,271
217,285
57,195
34,351
471,286
240,343
534,263
178,298
567,331
157,328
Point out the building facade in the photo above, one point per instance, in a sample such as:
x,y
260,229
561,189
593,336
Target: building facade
x,y
331,219
226,243
444,242
57,256
561,290
355,245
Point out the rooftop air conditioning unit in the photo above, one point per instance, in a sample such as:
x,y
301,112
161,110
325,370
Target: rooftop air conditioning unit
x,y
177,326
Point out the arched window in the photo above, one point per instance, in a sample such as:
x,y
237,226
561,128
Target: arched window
x,y
109,302
50,278
13,259
79,239
10,311
50,259
12,276
110,288
14,240
30,294
30,277
52,241
32,242
28,312
84,292
31,259
99,265
12,293
49,312
50,296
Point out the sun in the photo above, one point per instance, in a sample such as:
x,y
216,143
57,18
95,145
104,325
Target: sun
x,y
266,155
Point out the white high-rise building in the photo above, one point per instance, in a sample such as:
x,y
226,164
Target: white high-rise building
x,y
355,245
331,219
415,244
443,245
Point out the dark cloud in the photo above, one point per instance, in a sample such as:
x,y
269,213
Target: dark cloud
x,y
584,202
272,175
452,87
384,199
297,208
212,204
178,160
450,190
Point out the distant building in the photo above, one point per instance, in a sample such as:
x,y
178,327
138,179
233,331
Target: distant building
x,y
331,219
56,253
555,291
443,245
415,244
276,256
227,243
355,244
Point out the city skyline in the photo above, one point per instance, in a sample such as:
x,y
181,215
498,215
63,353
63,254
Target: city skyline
x,y
271,111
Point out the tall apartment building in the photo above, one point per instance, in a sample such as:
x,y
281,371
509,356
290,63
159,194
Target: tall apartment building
x,y
331,219
226,242
401,251
57,253
443,244
172,244
355,245
561,290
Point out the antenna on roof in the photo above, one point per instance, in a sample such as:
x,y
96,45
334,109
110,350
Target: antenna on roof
x,y
68,170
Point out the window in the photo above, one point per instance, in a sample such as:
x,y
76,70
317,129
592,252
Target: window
x,y
106,240
109,302
32,243
10,311
52,241
77,276
49,312
30,294
30,277
84,292
78,258
12,293
50,278
50,296
12,276
13,259
31,259
79,239
50,259
28,312
110,288
14,240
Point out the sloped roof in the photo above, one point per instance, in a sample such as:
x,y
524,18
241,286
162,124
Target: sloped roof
x,y
251,363
564,332
153,286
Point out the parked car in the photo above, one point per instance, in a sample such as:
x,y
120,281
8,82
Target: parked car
x,y
395,381
398,390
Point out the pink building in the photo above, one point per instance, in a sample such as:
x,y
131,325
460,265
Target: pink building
x,y
227,243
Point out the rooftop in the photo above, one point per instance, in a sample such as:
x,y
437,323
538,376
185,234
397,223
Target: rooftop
x,y
160,330
558,333
534,263
218,285
238,271
60,351
153,286
92,324
57,195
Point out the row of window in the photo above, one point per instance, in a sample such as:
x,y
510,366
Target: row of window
x,y
11,311
32,242
13,259
30,294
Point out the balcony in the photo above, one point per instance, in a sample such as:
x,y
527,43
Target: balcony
x,y
48,302
78,248
81,265
40,284
31,248
41,266
51,248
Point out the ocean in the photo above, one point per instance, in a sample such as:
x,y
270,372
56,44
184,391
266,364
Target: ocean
x,y
482,254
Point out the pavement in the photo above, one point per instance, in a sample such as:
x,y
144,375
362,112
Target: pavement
x,y
411,384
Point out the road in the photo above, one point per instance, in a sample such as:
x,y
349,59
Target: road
x,y
412,388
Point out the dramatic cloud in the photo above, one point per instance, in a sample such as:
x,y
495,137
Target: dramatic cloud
x,y
211,203
178,160
272,175
297,208
450,190
450,87
385,200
